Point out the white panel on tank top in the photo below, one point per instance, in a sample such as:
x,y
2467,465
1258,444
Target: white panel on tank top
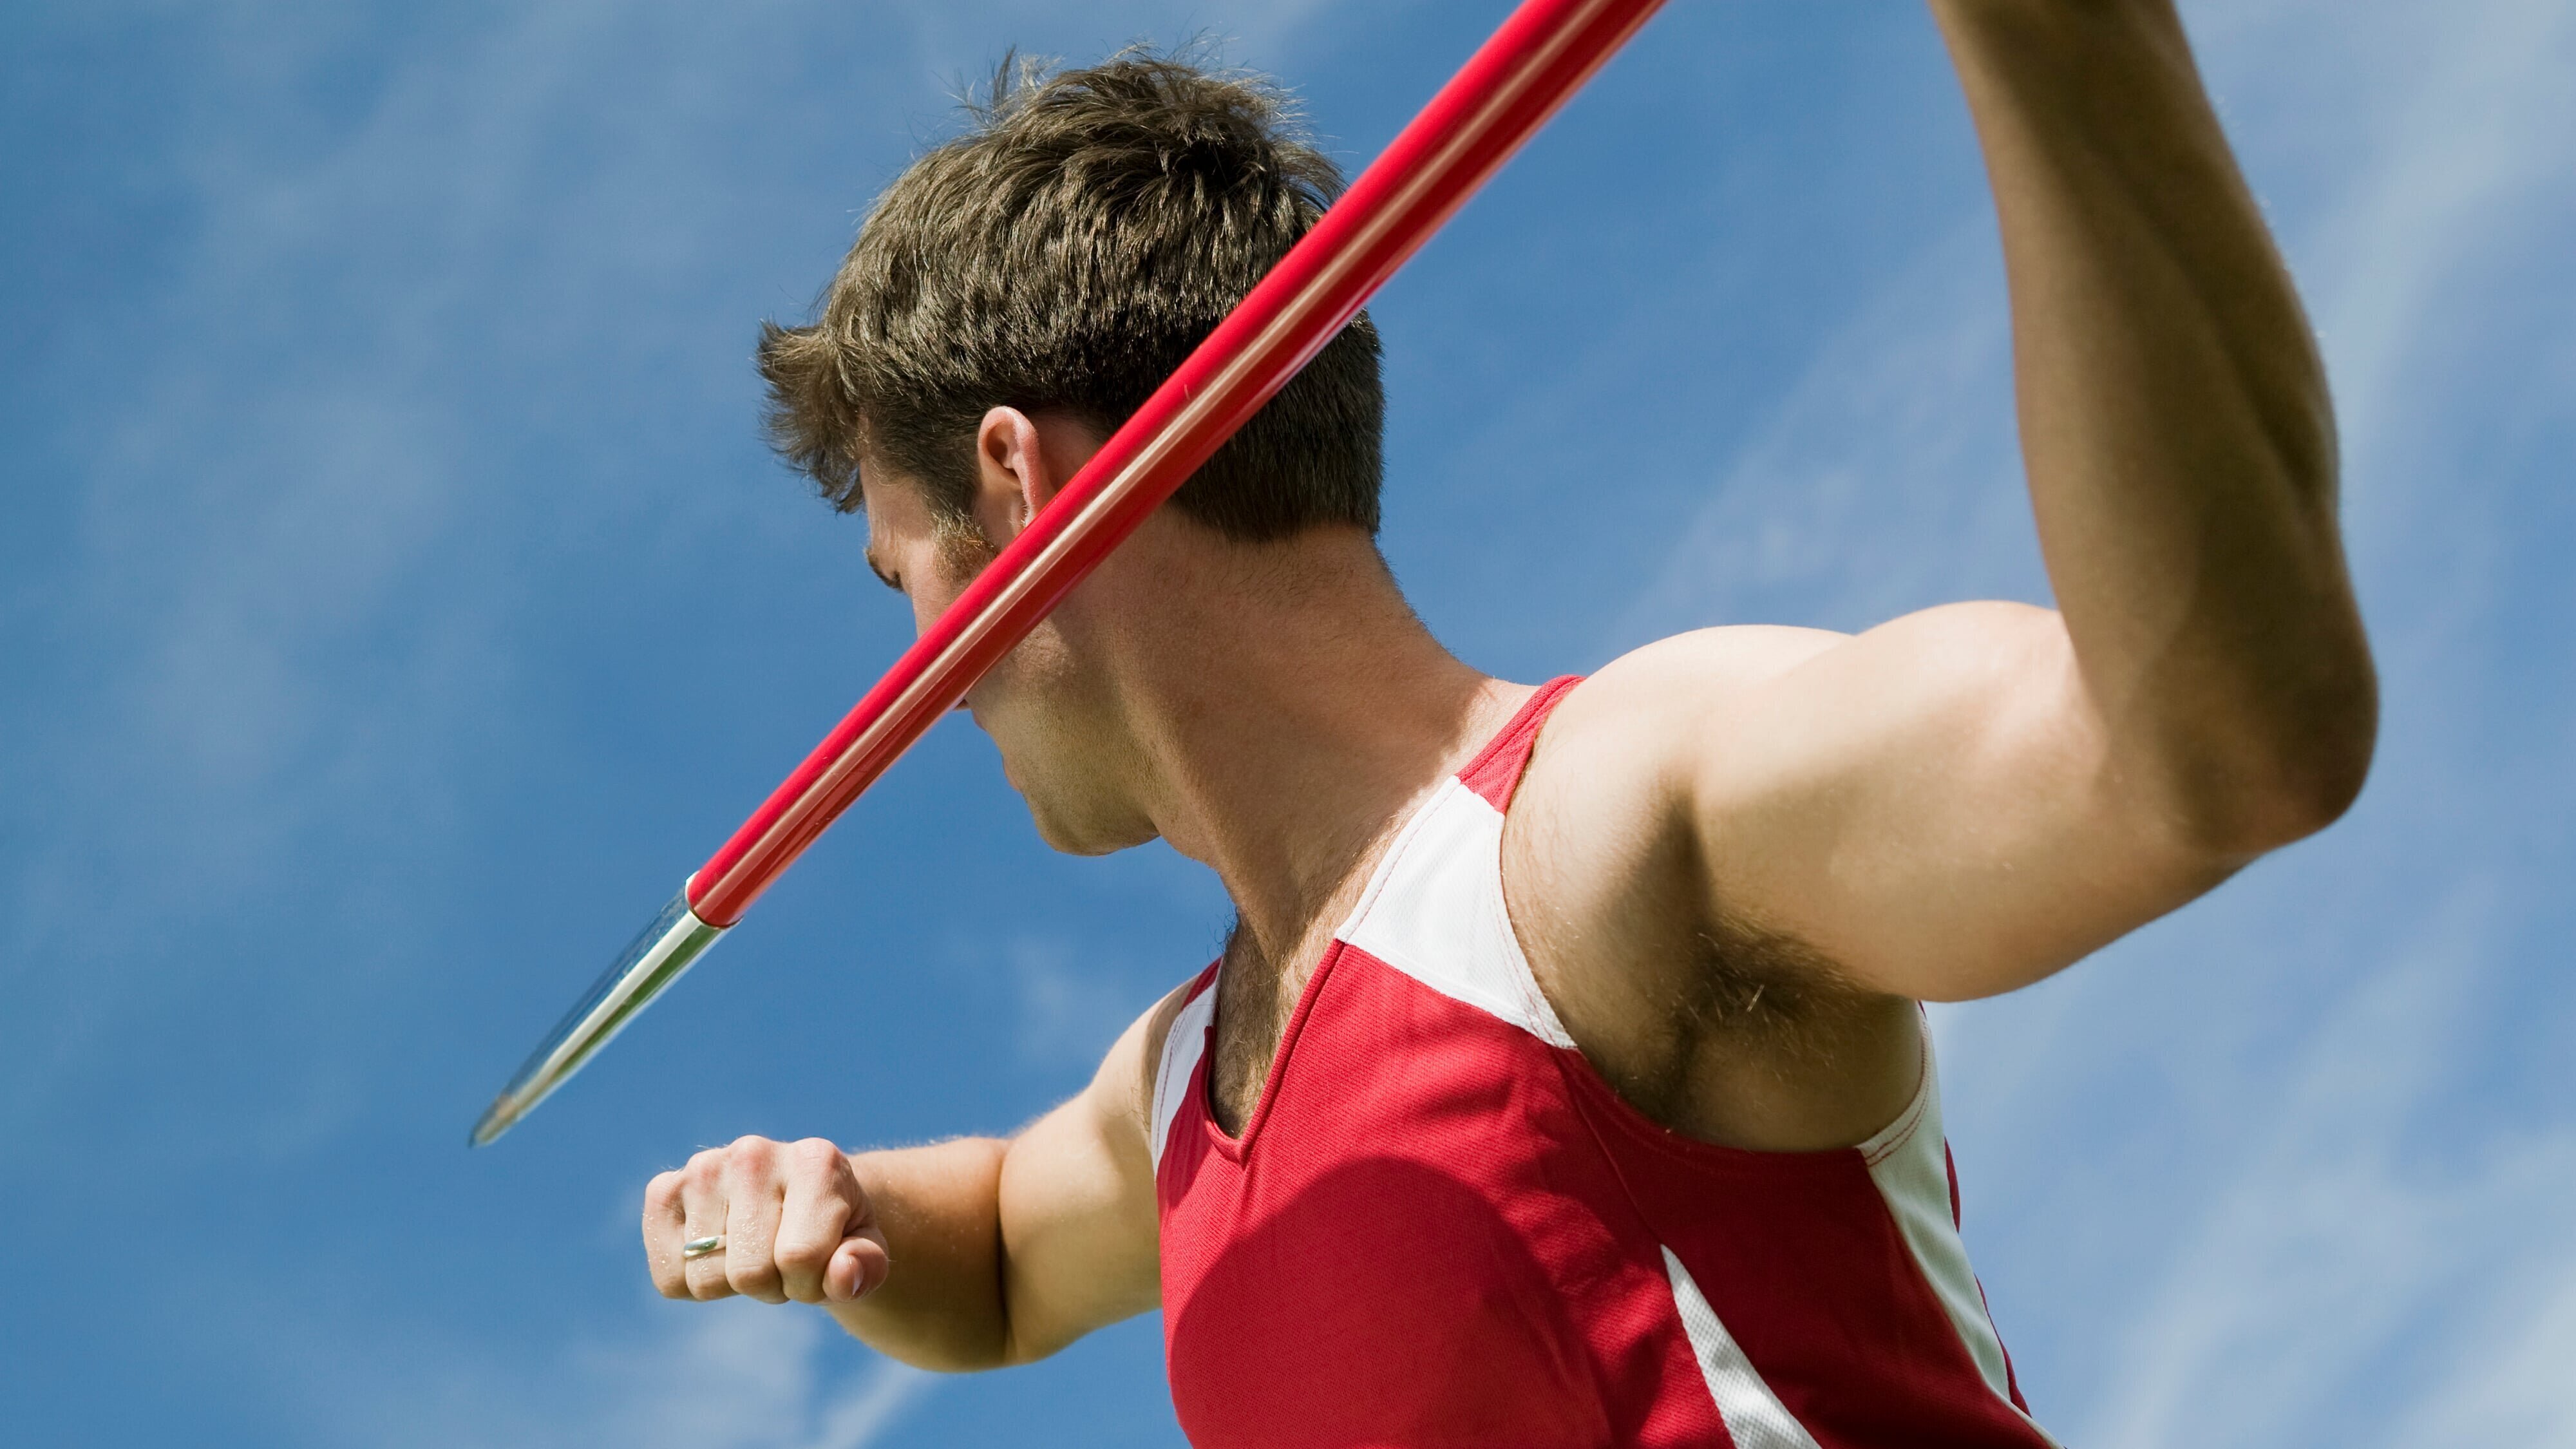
x,y
1434,911
1183,1044
1909,1161
1755,1417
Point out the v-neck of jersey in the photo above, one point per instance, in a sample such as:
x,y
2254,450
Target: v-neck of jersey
x,y
1234,1148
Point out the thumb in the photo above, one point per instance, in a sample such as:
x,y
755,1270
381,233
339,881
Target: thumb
x,y
858,1266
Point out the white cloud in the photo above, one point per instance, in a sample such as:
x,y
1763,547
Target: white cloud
x,y
1885,480
732,1375
2506,1376
2329,1242
749,1377
2454,123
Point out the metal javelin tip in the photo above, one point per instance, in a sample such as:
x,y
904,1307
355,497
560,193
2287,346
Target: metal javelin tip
x,y
656,958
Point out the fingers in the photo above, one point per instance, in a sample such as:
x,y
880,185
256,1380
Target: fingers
x,y
755,1184
795,1223
830,1248
702,1207
822,1203
664,1231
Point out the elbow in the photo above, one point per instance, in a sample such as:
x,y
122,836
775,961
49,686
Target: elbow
x,y
2267,788
2305,796
953,1352
1014,1353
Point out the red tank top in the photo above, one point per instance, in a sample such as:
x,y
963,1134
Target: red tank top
x,y
1442,1227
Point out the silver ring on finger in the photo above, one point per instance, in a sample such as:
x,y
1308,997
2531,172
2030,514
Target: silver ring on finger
x,y
696,1248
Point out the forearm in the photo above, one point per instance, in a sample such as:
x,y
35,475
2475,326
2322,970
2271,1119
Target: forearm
x,y
2175,419
942,1304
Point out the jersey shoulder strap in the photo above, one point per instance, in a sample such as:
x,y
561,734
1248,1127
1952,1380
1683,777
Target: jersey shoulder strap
x,y
1496,771
1183,1044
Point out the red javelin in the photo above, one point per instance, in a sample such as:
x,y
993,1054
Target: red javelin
x,y
1542,54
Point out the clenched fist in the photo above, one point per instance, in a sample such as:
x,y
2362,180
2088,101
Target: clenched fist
x,y
794,1221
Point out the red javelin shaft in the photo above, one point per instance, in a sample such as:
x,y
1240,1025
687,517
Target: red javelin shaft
x,y
1542,54
1538,59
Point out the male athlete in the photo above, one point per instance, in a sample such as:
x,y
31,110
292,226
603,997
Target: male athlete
x,y
1563,1080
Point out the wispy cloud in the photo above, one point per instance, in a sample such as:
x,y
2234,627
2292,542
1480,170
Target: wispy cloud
x,y
2503,1378
1886,479
2335,1258
750,1378
735,1375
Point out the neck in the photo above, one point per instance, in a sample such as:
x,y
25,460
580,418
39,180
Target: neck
x,y
1288,709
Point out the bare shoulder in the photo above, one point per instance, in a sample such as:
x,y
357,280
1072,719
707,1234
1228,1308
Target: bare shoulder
x,y
1691,1007
1124,1086
1688,675
1730,657
1598,831
1684,682
1718,712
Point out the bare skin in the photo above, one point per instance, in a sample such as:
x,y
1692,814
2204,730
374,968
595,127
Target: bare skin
x,y
1739,856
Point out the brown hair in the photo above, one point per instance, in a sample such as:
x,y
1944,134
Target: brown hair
x,y
1068,252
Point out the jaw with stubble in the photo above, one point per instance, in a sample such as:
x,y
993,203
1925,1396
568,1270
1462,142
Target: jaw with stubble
x,y
1048,708
1060,750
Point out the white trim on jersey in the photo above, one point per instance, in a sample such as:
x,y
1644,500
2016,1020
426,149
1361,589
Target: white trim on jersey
x,y
1434,911
1183,1044
1755,1417
1909,1161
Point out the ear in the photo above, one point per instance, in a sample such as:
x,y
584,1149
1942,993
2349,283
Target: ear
x,y
1021,460
1013,476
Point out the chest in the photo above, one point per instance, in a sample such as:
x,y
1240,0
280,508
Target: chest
x,y
1678,1021
1439,1212
1256,1000
1416,1216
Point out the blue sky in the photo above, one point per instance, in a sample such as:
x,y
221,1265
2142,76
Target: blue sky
x,y
398,602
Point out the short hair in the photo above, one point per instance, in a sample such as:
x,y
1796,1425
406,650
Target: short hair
x,y
1067,252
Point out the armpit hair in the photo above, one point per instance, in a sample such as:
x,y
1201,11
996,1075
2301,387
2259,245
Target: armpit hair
x,y
1750,981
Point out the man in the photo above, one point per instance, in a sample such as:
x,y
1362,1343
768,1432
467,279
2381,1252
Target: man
x,y
1563,1080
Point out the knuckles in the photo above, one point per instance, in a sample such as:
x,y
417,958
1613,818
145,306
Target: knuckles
x,y
812,1171
704,1169
662,1194
750,1160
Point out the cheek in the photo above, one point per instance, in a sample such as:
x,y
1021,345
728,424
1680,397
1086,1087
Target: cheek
x,y
942,576
1010,703
930,600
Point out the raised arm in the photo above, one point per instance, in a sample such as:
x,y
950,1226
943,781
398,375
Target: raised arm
x,y
2175,421
1961,801
970,1254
